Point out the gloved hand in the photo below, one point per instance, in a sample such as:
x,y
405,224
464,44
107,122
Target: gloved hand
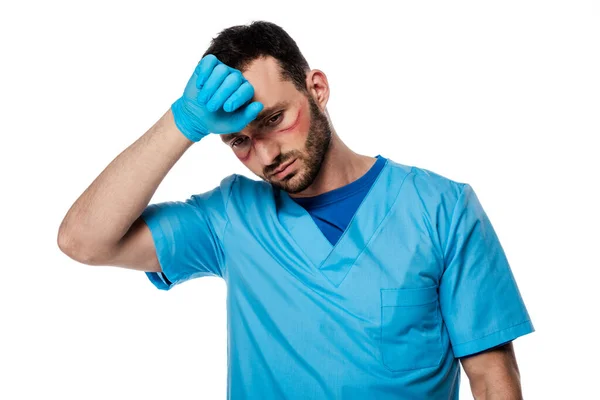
x,y
214,101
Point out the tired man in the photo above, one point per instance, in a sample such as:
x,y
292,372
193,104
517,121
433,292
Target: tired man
x,y
348,276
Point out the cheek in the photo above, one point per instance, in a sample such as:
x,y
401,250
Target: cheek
x,y
243,156
299,126
303,124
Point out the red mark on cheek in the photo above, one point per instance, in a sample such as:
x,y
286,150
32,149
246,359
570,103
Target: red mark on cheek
x,y
296,123
243,157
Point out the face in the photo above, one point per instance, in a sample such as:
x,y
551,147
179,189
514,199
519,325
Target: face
x,y
291,130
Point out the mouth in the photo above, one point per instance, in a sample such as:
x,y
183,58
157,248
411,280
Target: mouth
x,y
283,169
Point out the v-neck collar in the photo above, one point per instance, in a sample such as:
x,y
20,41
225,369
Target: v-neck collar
x,y
335,261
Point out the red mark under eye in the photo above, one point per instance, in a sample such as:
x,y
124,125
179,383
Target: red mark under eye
x,y
295,123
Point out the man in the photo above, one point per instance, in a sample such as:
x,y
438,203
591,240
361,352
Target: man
x,y
348,276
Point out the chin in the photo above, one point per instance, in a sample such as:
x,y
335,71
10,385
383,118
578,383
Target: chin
x,y
296,183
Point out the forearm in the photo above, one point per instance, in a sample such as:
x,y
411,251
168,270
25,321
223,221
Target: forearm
x,y
104,212
503,385
494,374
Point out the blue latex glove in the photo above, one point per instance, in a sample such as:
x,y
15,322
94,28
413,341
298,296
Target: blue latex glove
x,y
214,101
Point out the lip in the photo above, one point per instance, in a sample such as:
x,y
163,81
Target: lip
x,y
281,173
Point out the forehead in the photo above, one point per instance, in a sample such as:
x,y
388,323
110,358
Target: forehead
x,y
264,74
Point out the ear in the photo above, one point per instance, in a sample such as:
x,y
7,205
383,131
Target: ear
x,y
318,87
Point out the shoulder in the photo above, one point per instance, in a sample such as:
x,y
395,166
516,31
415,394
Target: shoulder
x,y
432,197
242,185
429,187
241,194
218,197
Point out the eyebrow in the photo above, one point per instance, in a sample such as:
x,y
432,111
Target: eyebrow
x,y
261,115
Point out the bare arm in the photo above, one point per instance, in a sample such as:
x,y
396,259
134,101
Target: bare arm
x,y
494,374
103,226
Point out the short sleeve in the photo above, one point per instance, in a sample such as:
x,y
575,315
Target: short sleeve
x,y
188,237
479,298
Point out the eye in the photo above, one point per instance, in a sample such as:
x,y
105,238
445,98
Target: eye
x,y
238,141
274,118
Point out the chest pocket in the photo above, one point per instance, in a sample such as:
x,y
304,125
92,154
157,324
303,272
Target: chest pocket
x,y
410,328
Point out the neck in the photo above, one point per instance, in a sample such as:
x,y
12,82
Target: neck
x,y
340,167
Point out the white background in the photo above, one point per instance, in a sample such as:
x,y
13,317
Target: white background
x,y
502,95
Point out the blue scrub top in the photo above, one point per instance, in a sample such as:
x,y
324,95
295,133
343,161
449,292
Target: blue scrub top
x,y
417,279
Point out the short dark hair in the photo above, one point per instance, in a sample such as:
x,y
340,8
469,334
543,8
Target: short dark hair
x,y
239,45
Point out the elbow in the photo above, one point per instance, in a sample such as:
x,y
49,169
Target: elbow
x,y
72,247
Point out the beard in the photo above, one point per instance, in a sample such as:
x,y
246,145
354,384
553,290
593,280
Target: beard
x,y
315,148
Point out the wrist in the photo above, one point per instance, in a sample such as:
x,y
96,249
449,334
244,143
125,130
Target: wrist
x,y
185,122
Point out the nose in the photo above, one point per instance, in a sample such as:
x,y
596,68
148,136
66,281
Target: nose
x,y
266,150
